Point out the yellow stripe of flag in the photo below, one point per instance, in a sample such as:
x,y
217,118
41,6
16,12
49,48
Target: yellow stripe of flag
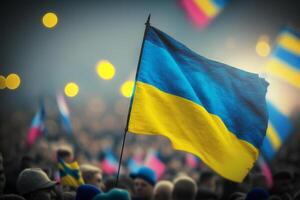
x,y
207,7
283,71
290,43
273,137
221,150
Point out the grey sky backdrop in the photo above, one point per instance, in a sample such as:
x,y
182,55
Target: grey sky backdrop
x,y
88,31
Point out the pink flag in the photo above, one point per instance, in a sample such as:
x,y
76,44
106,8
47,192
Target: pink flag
x,y
109,164
152,161
191,160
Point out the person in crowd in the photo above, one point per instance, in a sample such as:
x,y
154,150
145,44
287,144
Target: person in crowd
x,y
163,190
87,192
144,181
66,153
34,184
92,175
185,188
207,181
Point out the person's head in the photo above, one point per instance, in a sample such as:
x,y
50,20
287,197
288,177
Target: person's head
x,y
86,192
2,175
144,181
207,181
92,175
33,183
114,194
126,183
163,190
185,188
65,152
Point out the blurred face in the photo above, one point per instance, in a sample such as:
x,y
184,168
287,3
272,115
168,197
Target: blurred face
x,y
142,189
96,180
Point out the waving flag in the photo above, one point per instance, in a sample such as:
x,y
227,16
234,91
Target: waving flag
x,y
285,61
64,113
153,162
37,126
279,128
202,12
70,174
206,108
134,164
283,68
109,164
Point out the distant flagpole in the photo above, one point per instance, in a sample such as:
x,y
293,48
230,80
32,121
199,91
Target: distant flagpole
x,y
129,111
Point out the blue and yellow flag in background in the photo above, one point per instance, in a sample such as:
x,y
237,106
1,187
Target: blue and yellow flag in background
x,y
70,174
283,70
285,61
203,107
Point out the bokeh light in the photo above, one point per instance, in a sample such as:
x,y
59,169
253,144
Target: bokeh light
x,y
71,89
263,48
50,20
105,70
13,81
2,82
127,88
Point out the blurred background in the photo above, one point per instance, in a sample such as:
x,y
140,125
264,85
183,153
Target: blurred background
x,y
88,51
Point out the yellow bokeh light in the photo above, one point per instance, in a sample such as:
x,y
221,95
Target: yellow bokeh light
x,y
2,82
105,70
13,81
263,48
50,20
71,89
127,88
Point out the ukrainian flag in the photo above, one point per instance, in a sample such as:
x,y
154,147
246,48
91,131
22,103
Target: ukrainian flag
x,y
279,128
70,174
203,107
285,61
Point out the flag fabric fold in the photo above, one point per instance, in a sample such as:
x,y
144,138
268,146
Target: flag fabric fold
x,y
203,107
70,174
37,126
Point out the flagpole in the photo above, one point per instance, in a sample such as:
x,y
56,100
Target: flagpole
x,y
129,111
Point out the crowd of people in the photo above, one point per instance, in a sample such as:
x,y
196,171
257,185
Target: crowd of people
x,y
31,172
